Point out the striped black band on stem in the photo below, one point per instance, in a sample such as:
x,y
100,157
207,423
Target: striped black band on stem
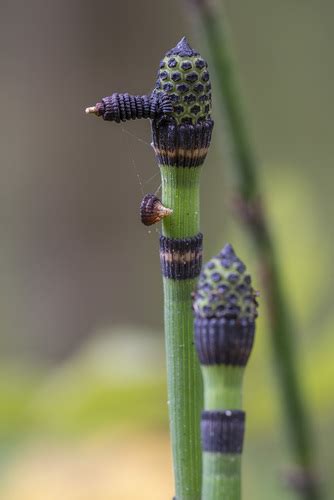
x,y
184,145
224,341
181,258
122,107
223,431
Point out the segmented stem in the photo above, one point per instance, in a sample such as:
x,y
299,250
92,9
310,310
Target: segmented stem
x,y
180,190
184,388
221,475
225,310
181,141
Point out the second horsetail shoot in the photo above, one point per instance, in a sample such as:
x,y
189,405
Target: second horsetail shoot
x,y
179,108
225,310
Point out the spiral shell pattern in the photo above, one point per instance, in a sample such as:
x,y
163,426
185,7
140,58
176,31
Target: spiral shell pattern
x,y
152,210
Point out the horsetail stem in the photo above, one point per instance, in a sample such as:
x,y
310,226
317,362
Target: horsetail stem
x,y
225,312
181,143
180,110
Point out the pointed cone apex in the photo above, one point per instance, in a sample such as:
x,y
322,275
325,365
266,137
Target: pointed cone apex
x,y
152,210
183,46
228,251
183,49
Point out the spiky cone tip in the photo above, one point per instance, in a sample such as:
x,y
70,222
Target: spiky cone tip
x,y
225,310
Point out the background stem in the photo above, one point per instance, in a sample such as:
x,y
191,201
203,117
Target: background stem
x,y
222,387
222,471
221,476
249,208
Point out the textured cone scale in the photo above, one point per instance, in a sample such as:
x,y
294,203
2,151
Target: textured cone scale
x,y
152,210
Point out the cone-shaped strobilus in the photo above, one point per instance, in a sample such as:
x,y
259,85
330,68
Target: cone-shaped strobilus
x,y
225,310
180,110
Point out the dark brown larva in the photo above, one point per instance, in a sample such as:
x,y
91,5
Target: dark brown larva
x,y
152,210
122,107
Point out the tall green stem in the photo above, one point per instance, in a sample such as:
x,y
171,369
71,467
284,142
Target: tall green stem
x,y
181,143
250,209
180,190
184,388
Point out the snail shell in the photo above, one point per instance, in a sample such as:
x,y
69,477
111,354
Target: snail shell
x,y
152,210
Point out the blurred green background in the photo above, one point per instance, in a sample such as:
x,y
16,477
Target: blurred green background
x,y
83,410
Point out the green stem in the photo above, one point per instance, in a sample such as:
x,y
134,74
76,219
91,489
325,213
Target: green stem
x,y
221,476
250,209
180,191
221,471
222,387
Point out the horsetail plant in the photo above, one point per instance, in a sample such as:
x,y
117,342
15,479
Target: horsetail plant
x,y
180,110
225,310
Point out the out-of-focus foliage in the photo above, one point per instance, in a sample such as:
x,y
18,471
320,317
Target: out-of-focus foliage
x,y
83,413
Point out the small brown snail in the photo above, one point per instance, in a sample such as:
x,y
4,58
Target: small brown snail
x,y
152,210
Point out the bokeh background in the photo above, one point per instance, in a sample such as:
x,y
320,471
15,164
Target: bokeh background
x,y
83,410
